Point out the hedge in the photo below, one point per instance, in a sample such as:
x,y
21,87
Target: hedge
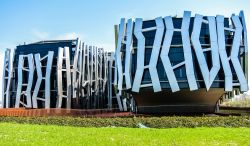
x,y
152,122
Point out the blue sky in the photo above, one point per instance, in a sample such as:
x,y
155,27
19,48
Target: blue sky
x,y
93,20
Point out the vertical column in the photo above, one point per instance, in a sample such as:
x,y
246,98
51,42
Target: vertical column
x,y
245,58
187,51
59,77
27,92
63,54
38,80
75,70
141,55
105,76
208,75
80,72
7,76
20,81
47,78
223,53
68,74
155,54
40,77
129,40
118,54
30,79
84,67
164,54
235,53
110,79
234,56
214,49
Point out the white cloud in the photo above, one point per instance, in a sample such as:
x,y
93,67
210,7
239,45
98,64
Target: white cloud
x,y
67,36
38,34
42,35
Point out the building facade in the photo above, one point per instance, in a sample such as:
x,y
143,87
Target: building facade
x,y
183,64
58,74
165,65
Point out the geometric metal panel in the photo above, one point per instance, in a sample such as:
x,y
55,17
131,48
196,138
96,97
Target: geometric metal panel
x,y
113,82
7,76
214,50
129,41
85,82
118,97
21,92
169,69
208,75
80,70
100,69
92,70
63,54
241,15
105,75
93,75
245,43
217,47
155,54
223,54
234,56
88,71
235,53
40,77
141,55
187,50
111,60
119,53
75,69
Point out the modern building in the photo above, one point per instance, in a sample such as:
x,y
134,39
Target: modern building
x,y
181,65
164,65
57,74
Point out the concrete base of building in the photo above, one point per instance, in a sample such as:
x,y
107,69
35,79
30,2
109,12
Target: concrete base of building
x,y
183,101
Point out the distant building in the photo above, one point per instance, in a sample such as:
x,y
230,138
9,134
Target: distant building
x,y
57,74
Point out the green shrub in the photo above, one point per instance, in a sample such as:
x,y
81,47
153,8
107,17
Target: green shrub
x,y
152,122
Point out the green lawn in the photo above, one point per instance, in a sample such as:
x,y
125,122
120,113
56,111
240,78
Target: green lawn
x,y
25,134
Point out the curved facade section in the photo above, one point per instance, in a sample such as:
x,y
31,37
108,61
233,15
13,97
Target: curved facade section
x,y
173,58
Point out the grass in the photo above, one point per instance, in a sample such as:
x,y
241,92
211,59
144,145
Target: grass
x,y
27,134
